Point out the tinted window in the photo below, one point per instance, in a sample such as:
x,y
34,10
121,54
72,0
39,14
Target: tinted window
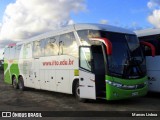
x,y
84,36
147,50
36,48
68,45
6,53
153,39
51,46
119,52
12,52
18,48
27,52
42,47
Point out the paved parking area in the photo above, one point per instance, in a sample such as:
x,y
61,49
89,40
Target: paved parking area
x,y
38,100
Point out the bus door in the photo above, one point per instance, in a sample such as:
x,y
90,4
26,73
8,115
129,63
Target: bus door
x,y
86,76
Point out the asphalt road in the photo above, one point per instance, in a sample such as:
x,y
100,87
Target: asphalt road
x,y
39,100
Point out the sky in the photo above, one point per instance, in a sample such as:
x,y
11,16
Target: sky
x,y
21,19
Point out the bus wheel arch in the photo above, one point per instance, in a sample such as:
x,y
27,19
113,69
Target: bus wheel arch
x,y
21,83
14,82
76,91
74,85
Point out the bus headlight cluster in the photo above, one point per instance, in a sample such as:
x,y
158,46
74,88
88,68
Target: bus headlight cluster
x,y
118,85
114,84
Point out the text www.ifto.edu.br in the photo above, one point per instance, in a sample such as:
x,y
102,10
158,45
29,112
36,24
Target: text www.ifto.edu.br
x,y
55,62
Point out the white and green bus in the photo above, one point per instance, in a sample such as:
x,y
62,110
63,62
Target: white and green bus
x,y
88,60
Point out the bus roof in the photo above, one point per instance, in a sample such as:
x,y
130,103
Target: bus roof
x,y
148,32
102,27
74,27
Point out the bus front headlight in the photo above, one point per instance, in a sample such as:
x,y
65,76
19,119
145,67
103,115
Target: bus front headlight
x,y
114,84
119,85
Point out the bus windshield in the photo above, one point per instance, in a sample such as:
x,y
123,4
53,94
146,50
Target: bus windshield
x,y
127,58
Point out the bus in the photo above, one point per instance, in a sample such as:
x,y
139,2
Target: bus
x,y
90,61
152,36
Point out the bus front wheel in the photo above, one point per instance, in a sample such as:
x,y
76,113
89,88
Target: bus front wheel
x,y
77,93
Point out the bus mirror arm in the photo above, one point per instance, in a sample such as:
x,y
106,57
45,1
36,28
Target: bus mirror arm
x,y
150,46
107,43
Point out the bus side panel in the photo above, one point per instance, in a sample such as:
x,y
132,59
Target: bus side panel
x,y
27,72
51,81
153,71
21,64
10,69
58,73
14,69
7,77
62,80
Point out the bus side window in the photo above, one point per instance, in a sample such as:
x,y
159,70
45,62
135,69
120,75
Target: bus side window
x,y
17,53
51,46
68,45
12,53
27,53
84,36
7,53
36,49
42,47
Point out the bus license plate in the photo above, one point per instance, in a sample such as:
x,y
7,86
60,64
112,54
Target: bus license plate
x,y
134,93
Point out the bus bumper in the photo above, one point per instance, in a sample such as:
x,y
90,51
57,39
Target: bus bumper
x,y
114,93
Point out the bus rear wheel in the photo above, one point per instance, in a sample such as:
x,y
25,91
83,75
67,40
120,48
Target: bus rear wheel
x,y
15,85
21,84
77,93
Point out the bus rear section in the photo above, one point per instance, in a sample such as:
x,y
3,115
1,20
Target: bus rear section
x,y
152,54
112,67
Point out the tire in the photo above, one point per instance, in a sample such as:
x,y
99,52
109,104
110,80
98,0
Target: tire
x,y
15,85
77,93
21,84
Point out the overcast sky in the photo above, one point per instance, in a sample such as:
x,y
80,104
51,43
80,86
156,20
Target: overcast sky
x,y
20,19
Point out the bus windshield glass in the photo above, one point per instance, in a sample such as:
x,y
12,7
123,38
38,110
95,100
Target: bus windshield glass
x,y
126,60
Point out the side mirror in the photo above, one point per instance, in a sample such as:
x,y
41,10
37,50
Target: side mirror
x,y
107,43
153,50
